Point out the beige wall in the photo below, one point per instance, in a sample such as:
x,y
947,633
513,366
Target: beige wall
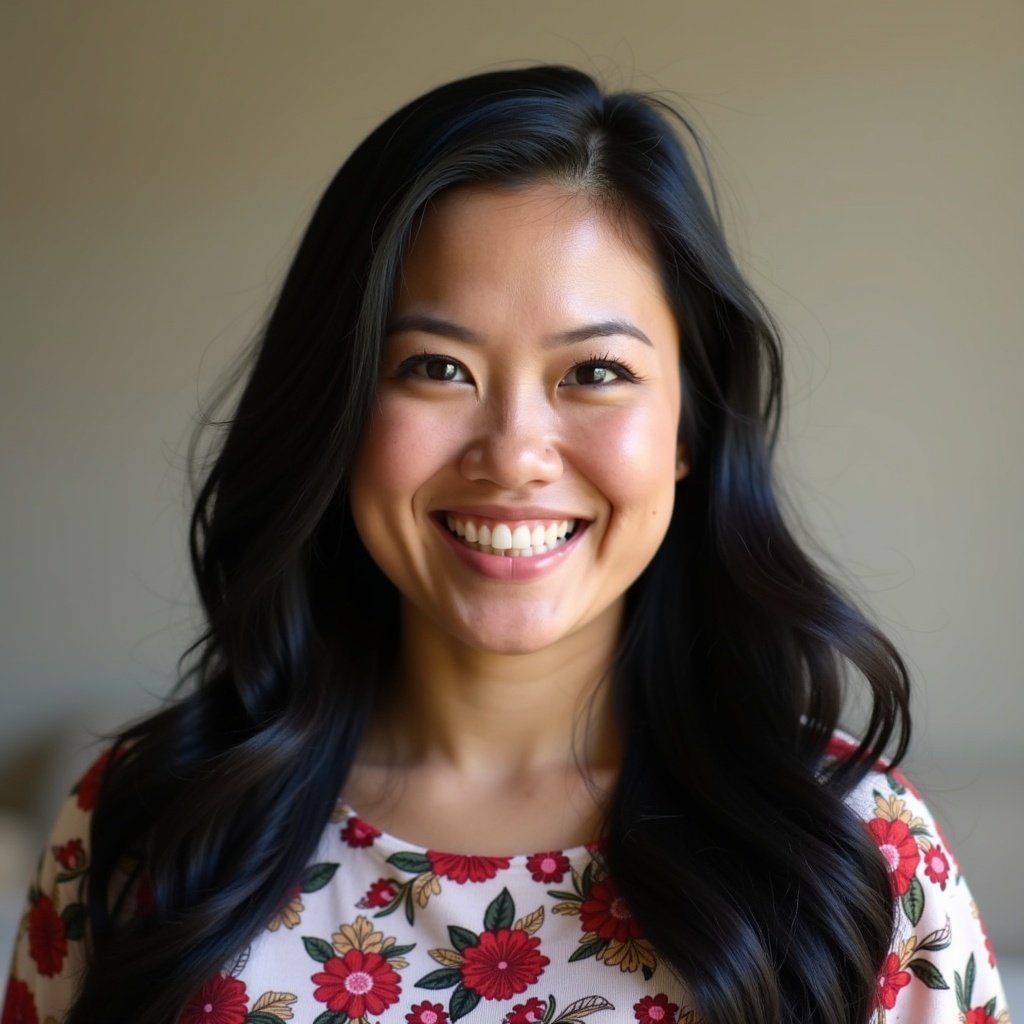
x,y
160,161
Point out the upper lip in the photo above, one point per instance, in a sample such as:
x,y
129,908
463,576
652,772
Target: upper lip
x,y
507,513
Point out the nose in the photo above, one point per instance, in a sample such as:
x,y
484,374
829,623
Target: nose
x,y
513,445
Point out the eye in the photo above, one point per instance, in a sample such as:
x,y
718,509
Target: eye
x,y
598,372
433,367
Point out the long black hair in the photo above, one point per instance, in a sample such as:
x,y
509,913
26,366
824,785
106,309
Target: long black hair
x,y
727,837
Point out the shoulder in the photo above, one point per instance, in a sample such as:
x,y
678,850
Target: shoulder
x,y
941,967
50,945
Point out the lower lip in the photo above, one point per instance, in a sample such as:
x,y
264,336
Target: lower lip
x,y
512,570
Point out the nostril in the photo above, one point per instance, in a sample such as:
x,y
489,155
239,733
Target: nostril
x,y
509,461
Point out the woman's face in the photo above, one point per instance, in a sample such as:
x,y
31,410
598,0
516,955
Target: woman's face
x,y
519,470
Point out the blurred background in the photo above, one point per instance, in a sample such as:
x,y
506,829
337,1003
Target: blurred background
x,y
161,161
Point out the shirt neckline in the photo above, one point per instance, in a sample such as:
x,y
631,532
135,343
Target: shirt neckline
x,y
389,844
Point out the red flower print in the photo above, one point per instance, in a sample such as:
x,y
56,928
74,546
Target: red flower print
x,y
605,913
47,941
503,964
890,981
357,983
899,848
991,952
380,894
89,786
427,1013
936,866
548,867
978,1016
71,855
466,869
655,1010
20,1005
221,1000
359,833
530,1012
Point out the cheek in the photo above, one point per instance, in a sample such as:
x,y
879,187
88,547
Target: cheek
x,y
630,454
401,446
381,459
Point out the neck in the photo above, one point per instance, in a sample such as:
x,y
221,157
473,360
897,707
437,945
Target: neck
x,y
500,716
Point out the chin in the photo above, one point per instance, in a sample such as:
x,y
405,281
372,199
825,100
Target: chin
x,y
504,642
509,646
527,635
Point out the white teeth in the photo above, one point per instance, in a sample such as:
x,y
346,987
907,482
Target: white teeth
x,y
502,539
521,537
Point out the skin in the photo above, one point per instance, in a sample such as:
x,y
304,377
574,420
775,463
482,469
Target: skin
x,y
500,739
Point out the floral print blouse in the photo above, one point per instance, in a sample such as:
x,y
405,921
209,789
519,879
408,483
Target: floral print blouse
x,y
379,931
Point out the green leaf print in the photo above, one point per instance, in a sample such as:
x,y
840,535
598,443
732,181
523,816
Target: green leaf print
x,y
913,901
462,938
927,972
896,786
412,863
462,1001
330,1017
318,949
74,916
500,913
560,894
588,877
316,876
965,986
588,949
443,978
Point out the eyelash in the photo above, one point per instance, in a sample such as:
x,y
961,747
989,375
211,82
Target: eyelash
x,y
408,366
625,374
617,366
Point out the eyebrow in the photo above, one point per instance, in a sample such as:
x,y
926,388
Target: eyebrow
x,y
447,329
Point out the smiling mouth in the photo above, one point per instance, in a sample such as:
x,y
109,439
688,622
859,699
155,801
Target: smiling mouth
x,y
512,539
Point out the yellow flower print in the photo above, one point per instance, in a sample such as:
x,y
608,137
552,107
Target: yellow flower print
x,y
289,915
275,1004
629,955
893,808
359,935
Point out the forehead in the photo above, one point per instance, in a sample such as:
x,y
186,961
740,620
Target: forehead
x,y
542,250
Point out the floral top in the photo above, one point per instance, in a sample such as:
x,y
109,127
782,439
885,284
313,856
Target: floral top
x,y
383,932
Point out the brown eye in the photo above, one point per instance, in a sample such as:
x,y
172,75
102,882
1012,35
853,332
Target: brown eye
x,y
438,368
441,369
596,373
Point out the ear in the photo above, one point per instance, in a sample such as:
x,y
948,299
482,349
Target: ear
x,y
682,462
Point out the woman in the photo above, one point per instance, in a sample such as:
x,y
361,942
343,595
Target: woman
x,y
490,548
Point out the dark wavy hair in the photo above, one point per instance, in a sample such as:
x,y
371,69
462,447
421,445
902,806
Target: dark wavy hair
x,y
726,835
